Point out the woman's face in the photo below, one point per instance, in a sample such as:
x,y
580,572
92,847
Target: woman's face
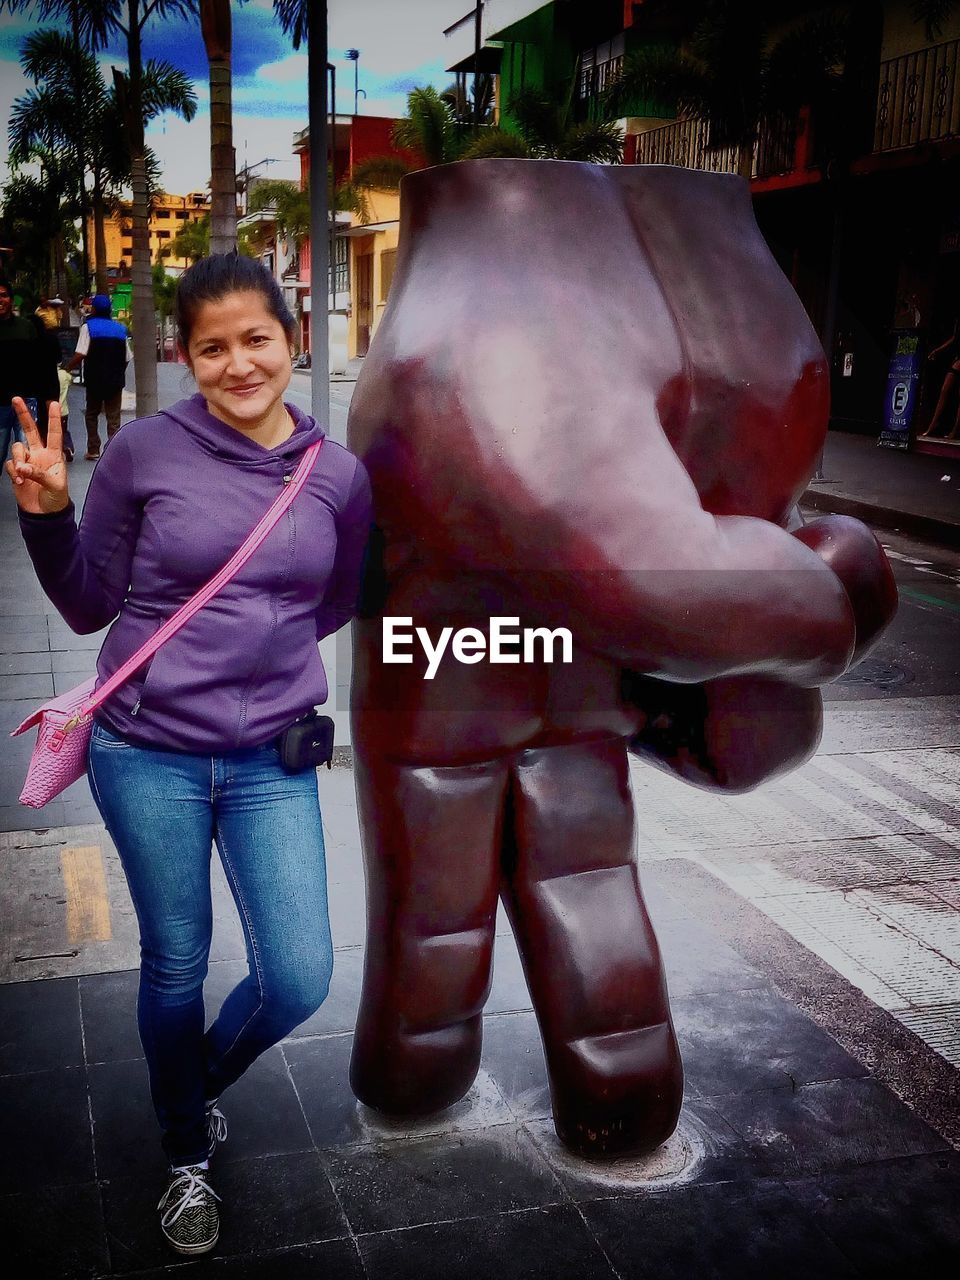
x,y
240,357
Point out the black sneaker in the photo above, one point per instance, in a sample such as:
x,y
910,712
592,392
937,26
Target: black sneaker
x,y
216,1126
188,1211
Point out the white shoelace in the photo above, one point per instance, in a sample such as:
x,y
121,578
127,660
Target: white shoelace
x,y
216,1126
192,1187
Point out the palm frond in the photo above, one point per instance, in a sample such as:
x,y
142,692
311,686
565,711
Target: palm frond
x,y
428,127
600,142
665,76
293,16
493,143
538,119
380,173
165,88
933,14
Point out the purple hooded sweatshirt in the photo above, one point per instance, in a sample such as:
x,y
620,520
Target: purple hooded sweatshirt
x,y
171,500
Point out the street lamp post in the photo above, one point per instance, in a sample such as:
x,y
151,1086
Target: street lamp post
x,y
353,55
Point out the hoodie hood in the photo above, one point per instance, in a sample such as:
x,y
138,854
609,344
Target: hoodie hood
x,y
226,442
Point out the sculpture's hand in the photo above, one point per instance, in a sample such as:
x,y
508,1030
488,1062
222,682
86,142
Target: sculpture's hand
x,y
859,561
726,735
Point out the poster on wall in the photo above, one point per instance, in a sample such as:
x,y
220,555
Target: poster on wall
x,y
903,387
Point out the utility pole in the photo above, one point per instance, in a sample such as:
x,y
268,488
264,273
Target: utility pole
x,y
477,43
319,212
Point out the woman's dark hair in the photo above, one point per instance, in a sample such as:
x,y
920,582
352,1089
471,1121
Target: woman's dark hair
x,y
211,279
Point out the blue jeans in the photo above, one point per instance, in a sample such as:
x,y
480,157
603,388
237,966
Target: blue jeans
x,y
10,426
164,810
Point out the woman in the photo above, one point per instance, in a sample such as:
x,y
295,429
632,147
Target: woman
x,y
185,754
948,388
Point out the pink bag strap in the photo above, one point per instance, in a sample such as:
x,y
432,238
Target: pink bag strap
x,y
206,593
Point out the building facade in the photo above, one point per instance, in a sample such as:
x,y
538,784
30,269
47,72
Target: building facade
x,y
859,201
169,213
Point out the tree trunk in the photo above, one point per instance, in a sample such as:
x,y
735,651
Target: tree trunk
x,y
745,160
215,23
99,236
144,317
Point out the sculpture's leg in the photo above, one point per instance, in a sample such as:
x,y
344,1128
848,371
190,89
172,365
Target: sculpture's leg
x,y
589,951
431,839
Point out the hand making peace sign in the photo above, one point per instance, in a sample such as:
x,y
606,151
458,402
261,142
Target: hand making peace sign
x,y
38,471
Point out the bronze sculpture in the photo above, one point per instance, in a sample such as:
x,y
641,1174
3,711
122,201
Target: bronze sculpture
x,y
593,402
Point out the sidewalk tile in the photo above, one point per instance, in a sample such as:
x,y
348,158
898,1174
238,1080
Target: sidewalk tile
x,y
338,1259
263,1113
41,1026
530,1245
452,1176
81,661
38,686
319,1069
13,620
742,1041
16,664
45,1131
276,1201
125,1129
754,1232
17,817
697,961
513,1055
508,990
108,1006
34,640
896,1218
826,1127
54,1232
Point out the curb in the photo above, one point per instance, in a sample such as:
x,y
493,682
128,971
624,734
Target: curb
x,y
928,528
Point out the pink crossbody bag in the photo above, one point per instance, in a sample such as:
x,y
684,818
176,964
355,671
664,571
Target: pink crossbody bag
x,y
66,722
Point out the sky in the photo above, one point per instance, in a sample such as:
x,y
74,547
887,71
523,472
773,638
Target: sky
x,y
401,45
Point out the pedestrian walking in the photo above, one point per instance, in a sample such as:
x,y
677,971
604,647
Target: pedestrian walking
x,y
49,312
948,401
28,367
66,382
192,750
103,348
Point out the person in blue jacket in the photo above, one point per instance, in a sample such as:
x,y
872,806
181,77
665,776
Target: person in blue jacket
x,y
103,348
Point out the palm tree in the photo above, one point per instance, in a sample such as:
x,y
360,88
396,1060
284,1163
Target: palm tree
x,y
192,241
543,129
430,127
215,25
95,21
74,110
39,211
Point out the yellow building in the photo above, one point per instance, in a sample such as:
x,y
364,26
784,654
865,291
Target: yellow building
x,y
170,213
373,251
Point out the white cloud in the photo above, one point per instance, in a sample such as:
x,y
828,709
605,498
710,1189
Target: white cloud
x,y
287,69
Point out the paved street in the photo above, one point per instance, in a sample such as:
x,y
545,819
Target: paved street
x,y
811,934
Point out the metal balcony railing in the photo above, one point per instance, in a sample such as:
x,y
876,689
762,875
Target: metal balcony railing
x,y
918,98
684,143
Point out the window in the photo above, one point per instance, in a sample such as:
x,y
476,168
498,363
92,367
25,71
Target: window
x,y
162,213
181,214
340,267
163,235
387,260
